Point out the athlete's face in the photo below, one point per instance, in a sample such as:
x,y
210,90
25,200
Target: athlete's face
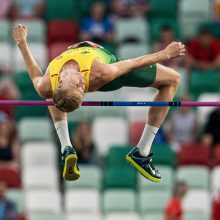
x,y
72,82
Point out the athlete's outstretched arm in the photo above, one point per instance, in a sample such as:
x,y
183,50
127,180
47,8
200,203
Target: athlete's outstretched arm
x,y
175,49
34,71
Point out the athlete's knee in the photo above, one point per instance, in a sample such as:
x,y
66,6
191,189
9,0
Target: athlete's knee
x,y
177,78
174,78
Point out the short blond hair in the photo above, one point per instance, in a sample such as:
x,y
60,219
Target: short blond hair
x,y
65,104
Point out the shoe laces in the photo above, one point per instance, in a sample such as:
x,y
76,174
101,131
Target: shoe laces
x,y
149,161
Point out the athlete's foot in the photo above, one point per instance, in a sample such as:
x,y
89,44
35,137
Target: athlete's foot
x,y
143,165
70,167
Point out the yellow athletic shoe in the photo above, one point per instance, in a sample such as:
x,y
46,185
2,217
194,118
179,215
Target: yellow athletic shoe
x,y
71,170
143,165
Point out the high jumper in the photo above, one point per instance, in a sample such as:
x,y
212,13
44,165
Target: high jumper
x,y
88,67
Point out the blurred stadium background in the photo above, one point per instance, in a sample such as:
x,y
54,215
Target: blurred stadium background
x,y
109,189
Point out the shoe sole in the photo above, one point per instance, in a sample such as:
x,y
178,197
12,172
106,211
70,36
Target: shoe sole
x,y
142,171
70,171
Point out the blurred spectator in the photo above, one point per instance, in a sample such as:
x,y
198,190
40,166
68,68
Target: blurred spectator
x,y
129,8
5,6
27,8
183,125
9,147
82,140
211,134
97,27
8,91
7,208
203,51
174,210
216,207
166,37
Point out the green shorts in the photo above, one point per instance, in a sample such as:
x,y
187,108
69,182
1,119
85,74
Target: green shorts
x,y
138,78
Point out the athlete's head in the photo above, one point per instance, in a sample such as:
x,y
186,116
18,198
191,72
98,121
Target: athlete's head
x,y
69,93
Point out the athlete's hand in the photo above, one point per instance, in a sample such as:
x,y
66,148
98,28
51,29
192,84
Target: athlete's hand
x,y
175,49
20,34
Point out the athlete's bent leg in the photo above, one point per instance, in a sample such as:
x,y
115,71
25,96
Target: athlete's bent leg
x,y
69,156
167,81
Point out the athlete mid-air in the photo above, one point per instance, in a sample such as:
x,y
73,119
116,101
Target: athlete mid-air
x,y
88,67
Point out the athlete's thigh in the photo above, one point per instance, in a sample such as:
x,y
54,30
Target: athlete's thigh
x,y
164,76
142,77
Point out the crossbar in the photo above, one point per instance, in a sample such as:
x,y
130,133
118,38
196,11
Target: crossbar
x,y
111,103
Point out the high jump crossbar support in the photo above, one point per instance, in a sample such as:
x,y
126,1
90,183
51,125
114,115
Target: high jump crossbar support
x,y
111,103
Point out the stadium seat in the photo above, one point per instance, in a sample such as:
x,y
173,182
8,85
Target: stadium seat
x,y
166,181
163,9
194,154
57,48
195,8
46,201
85,181
83,216
119,201
45,216
215,179
5,30
122,177
204,81
40,178
39,129
192,14
11,176
82,201
159,23
36,29
135,131
39,52
155,200
35,154
217,155
5,56
203,113
123,216
17,196
189,27
116,156
68,34
164,155
196,177
197,201
154,216
132,50
103,135
138,94
133,29
196,216
57,10
30,111
23,82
